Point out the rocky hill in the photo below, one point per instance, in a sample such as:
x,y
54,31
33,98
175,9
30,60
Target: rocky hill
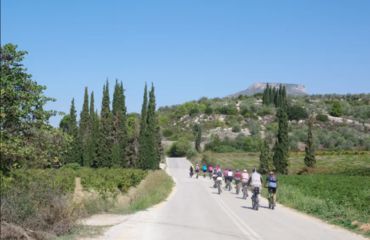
x,y
292,89
342,122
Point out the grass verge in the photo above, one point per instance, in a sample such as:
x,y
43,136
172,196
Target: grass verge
x,y
155,188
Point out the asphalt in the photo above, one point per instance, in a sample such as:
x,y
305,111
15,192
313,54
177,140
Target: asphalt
x,y
195,210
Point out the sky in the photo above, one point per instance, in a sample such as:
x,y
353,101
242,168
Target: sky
x,y
189,48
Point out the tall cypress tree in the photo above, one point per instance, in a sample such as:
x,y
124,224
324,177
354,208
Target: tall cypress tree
x,y
105,131
265,158
152,134
142,158
74,155
281,148
309,159
94,134
197,131
84,129
119,127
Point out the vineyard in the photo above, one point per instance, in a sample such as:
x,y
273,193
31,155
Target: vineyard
x,y
43,199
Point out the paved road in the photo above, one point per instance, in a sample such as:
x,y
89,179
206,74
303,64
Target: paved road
x,y
195,211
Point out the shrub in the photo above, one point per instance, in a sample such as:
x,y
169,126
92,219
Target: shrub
x,y
167,132
179,148
336,109
236,128
322,117
297,113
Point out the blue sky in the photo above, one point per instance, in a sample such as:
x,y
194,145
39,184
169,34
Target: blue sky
x,y
189,48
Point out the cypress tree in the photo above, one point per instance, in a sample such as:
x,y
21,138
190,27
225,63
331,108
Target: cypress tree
x,y
94,134
198,137
74,155
265,158
281,148
84,130
152,133
265,96
119,126
105,131
142,158
309,158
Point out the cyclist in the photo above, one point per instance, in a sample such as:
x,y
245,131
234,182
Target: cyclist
x,y
191,171
197,168
204,169
237,178
230,176
256,182
245,179
210,171
271,183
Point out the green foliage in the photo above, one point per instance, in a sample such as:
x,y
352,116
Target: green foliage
x,y
104,153
150,149
336,109
197,131
236,128
281,148
265,158
22,110
179,148
322,117
241,143
296,112
309,159
119,149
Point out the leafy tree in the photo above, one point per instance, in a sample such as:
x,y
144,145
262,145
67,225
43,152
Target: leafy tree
x,y
281,148
179,148
22,111
265,158
309,158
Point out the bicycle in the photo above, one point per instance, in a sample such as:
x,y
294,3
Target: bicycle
x,y
271,199
237,186
255,200
218,183
245,191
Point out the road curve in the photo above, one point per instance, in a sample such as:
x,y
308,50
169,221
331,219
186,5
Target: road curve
x,y
195,211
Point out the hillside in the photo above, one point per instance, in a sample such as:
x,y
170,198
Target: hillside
x,y
342,122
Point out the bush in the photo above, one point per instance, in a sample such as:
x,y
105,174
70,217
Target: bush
x,y
322,117
336,109
297,113
179,148
167,132
236,128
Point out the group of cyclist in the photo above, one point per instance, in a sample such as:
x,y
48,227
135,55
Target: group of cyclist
x,y
242,180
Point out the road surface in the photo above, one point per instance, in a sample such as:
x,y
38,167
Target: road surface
x,y
195,211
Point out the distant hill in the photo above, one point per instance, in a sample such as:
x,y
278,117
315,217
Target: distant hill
x,y
292,89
